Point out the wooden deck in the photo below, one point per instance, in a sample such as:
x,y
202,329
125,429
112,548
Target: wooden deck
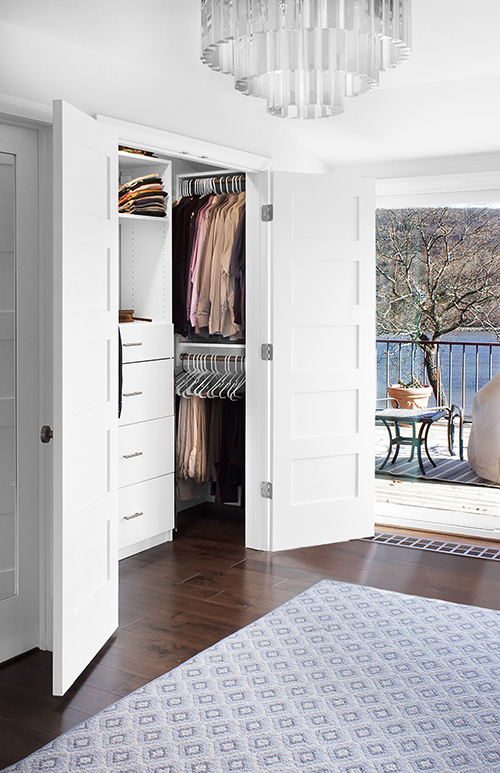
x,y
477,497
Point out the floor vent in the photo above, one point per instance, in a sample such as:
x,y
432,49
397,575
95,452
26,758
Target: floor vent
x,y
437,546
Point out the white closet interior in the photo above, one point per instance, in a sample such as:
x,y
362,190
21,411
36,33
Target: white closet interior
x,y
150,355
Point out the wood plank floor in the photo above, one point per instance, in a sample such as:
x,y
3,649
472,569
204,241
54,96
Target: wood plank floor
x,y
179,598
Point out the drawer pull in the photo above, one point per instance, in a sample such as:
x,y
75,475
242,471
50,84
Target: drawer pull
x,y
129,517
132,456
131,394
139,343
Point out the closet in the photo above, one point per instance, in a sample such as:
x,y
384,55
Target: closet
x,y
203,215
308,350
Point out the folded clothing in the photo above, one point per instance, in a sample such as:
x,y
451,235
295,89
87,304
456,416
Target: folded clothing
x,y
143,196
137,182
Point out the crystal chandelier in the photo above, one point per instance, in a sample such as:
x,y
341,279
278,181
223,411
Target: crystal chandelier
x,y
305,56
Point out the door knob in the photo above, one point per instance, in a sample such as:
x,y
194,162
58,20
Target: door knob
x,y
46,434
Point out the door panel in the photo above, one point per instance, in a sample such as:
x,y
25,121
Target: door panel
x,y
19,377
85,391
323,374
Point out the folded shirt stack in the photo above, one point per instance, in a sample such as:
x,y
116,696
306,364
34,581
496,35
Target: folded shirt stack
x,y
143,196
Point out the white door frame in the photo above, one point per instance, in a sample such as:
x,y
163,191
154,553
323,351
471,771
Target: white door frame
x,y
257,515
18,113
438,190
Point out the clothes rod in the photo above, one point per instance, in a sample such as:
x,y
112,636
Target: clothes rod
x,y
201,186
211,357
212,173
203,345
222,178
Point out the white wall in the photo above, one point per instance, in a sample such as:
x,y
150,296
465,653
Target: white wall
x,y
39,68
425,167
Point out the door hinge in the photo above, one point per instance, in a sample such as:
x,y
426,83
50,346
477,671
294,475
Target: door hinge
x,y
266,352
266,214
266,489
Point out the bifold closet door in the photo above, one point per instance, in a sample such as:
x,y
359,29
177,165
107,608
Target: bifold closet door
x,y
85,391
323,370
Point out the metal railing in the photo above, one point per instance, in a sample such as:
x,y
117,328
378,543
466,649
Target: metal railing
x,y
463,367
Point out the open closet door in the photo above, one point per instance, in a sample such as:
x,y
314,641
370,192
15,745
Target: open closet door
x,y
85,325
323,369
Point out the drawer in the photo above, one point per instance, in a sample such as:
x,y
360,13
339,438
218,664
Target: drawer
x,y
146,341
148,390
145,510
146,450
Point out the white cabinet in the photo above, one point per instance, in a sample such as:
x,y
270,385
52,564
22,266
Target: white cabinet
x,y
146,466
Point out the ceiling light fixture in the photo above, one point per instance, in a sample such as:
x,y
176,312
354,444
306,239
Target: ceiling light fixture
x,y
305,56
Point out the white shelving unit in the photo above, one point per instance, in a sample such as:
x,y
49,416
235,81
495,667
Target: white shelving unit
x,y
146,425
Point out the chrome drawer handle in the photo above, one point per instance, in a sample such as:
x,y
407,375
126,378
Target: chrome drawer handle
x,y
131,456
129,517
131,394
139,343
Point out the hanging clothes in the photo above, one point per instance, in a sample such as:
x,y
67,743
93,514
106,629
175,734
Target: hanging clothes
x,y
210,447
208,265
226,450
236,293
184,225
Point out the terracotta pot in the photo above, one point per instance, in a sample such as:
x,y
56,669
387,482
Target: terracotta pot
x,y
409,397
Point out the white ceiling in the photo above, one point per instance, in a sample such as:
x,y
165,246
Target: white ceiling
x,y
444,101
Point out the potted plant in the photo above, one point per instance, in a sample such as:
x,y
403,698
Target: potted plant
x,y
410,394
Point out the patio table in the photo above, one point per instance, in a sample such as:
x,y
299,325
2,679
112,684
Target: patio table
x,y
420,421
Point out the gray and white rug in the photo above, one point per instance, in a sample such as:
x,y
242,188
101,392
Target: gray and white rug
x,y
341,679
448,468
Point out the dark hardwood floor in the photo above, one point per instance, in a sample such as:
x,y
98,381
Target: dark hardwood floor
x,y
179,598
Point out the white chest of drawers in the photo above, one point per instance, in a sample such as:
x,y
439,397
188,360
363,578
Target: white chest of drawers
x,y
146,437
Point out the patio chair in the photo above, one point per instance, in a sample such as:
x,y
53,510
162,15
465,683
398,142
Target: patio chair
x,y
455,414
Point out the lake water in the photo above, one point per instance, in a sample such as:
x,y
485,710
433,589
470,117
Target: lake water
x,y
464,380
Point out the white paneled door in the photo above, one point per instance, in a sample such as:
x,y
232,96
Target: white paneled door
x,y
85,391
323,371
19,374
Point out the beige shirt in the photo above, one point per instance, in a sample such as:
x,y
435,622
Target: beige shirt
x,y
204,275
224,244
229,328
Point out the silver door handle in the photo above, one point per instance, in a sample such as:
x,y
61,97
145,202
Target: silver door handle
x,y
131,456
129,517
131,394
138,343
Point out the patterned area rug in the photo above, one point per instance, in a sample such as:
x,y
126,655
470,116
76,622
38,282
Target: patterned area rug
x,y
448,468
341,679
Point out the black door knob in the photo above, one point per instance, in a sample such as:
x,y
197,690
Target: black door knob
x,y
46,434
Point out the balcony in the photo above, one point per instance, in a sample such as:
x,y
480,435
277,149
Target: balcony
x,y
463,367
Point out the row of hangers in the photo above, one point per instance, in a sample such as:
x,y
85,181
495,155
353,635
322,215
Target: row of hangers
x,y
202,186
201,376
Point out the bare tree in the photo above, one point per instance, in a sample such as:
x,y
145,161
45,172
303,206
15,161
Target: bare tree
x,y
438,269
